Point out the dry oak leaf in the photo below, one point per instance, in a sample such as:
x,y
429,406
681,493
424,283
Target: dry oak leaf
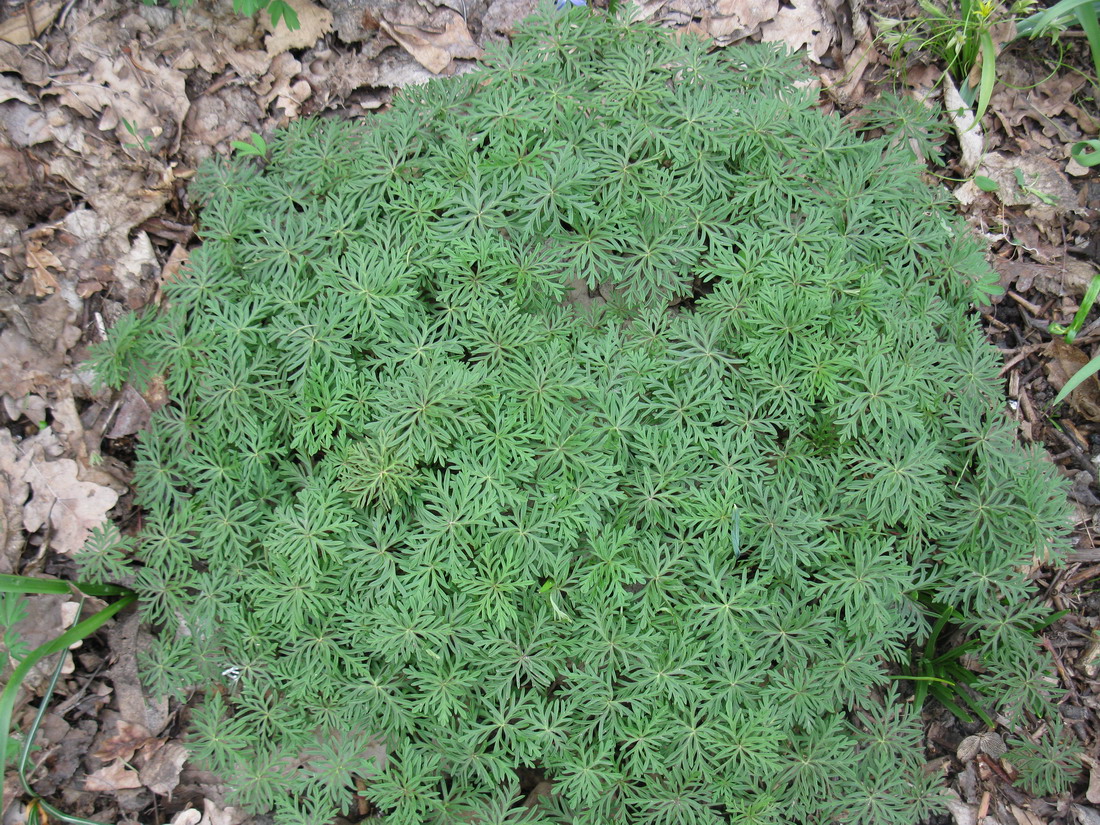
x,y
313,23
161,773
18,29
130,738
72,507
114,777
435,50
1065,360
800,24
40,261
737,19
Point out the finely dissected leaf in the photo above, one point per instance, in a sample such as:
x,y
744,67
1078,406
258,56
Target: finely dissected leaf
x,y
608,415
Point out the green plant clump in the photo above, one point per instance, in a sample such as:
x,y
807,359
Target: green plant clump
x,y
665,545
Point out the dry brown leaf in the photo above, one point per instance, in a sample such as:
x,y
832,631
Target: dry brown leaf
x,y
737,19
1024,817
130,738
133,414
126,639
34,347
71,506
800,24
503,15
313,22
434,50
31,406
191,816
12,89
40,261
214,815
131,88
13,493
25,125
1065,360
1093,792
161,773
1040,175
114,777
18,29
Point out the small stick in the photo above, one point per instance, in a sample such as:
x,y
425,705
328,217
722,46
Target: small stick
x,y
1070,686
983,808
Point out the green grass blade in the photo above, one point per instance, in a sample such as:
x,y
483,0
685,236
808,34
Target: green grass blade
x,y
74,634
1057,16
29,584
946,698
24,756
1086,16
1077,379
1086,304
989,75
1086,152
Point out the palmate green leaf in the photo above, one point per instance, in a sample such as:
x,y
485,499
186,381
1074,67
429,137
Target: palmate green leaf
x,y
607,413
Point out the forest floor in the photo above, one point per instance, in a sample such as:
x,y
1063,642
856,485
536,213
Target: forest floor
x,y
106,109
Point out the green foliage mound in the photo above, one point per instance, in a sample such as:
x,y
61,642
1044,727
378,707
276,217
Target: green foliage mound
x,y
664,545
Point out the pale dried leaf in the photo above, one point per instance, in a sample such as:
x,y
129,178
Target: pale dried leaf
x,y
25,125
161,773
126,639
71,506
503,15
738,19
969,133
214,815
800,25
132,416
1024,817
314,22
32,406
434,48
130,738
1086,815
1065,360
431,57
962,813
968,748
17,28
12,89
189,817
111,778
992,744
1093,792
40,261
33,357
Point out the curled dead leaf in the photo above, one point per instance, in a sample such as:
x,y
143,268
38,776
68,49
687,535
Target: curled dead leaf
x,y
130,738
434,50
111,778
1065,360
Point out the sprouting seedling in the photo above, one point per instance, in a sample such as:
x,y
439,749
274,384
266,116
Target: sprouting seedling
x,y
1082,312
146,140
986,184
1028,188
257,147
